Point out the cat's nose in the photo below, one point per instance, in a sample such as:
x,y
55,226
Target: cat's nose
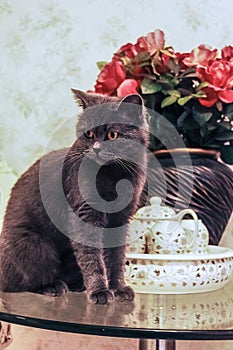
x,y
96,148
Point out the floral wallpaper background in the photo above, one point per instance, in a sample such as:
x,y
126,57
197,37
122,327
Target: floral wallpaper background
x,y
49,46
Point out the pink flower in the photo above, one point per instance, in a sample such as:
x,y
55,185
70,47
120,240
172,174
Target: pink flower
x,y
153,42
202,55
219,75
227,53
127,87
110,77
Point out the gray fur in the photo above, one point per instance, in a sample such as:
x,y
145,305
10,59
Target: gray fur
x,y
35,255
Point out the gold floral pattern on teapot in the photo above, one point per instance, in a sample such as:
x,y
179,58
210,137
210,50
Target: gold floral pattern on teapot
x,y
157,229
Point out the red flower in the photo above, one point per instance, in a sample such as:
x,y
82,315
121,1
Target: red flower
x,y
153,42
110,77
210,99
180,57
202,55
219,75
128,86
127,50
127,54
227,53
160,63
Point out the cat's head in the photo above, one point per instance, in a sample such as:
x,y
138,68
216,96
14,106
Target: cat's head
x,y
110,126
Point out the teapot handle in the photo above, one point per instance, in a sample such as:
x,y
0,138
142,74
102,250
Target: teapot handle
x,y
178,217
182,213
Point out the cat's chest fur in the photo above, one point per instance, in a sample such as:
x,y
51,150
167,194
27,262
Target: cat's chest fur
x,y
108,180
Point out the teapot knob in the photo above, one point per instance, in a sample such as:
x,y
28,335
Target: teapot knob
x,y
155,201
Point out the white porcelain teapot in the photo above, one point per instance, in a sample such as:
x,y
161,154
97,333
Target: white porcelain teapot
x,y
157,229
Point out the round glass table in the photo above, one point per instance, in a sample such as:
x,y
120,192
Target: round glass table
x,y
164,318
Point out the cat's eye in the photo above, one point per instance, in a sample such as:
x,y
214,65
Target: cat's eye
x,y
89,134
112,135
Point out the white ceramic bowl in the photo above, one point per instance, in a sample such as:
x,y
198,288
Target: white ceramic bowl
x,y
179,273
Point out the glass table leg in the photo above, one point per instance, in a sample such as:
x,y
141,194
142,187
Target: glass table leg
x,y
165,344
143,344
161,344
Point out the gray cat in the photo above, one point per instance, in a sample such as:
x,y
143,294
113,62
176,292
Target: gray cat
x,y
65,226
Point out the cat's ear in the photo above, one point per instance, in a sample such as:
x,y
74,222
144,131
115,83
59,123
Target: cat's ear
x,y
81,98
134,98
86,99
133,104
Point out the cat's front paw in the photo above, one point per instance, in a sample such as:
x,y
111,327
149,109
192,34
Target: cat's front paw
x,y
57,289
124,293
101,297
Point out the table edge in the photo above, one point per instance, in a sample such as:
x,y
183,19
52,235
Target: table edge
x,y
117,332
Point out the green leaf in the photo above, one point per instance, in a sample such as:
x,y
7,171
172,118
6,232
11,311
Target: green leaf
x,y
224,136
165,85
168,101
202,85
149,86
170,78
182,118
199,94
211,127
229,110
101,64
227,153
186,122
181,101
174,93
150,100
225,125
202,118
204,131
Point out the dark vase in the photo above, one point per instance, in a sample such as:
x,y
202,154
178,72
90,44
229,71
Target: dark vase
x,y
193,178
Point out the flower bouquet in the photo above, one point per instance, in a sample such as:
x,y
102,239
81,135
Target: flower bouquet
x,y
192,90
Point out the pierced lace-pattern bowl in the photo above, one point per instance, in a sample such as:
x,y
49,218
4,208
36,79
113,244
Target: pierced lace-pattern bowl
x,y
179,273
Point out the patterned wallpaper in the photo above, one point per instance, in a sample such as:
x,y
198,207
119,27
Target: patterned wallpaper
x,y
49,46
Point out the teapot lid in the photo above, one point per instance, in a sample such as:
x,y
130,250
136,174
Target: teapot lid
x,y
155,210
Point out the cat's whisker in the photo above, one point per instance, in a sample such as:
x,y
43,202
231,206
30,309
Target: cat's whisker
x,y
132,170
136,165
71,160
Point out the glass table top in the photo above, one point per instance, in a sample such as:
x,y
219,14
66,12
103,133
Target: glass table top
x,y
206,315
